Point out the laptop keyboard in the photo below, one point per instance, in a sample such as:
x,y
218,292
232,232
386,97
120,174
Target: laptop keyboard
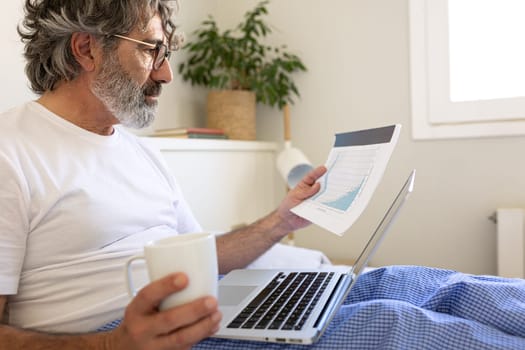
x,y
285,303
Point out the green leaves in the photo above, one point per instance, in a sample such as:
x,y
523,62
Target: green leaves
x,y
238,59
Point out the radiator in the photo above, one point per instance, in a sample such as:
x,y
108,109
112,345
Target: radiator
x,y
511,242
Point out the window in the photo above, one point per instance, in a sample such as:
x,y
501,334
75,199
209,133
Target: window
x,y
467,68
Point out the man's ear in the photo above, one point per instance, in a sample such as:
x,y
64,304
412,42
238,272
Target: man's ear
x,y
84,49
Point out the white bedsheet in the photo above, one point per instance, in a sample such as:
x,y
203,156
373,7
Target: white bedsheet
x,y
286,256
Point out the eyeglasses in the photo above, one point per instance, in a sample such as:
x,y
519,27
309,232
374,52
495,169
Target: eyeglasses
x,y
161,50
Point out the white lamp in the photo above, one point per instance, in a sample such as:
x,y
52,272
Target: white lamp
x,y
291,162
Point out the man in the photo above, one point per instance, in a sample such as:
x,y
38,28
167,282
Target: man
x,y
79,195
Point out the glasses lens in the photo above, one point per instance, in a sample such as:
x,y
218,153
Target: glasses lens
x,y
162,54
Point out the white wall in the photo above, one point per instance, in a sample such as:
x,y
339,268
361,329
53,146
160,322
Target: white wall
x,y
14,83
358,60
357,52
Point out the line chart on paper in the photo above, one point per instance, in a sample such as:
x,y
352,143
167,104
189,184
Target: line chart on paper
x,y
346,176
354,168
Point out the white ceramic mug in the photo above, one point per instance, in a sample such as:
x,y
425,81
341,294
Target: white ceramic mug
x,y
195,254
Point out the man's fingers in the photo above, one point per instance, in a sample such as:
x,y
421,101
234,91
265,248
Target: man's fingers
x,y
184,315
308,186
175,328
148,298
191,334
314,174
189,328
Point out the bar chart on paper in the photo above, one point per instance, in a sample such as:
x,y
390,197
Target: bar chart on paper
x,y
346,176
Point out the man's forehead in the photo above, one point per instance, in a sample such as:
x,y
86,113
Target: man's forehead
x,y
152,28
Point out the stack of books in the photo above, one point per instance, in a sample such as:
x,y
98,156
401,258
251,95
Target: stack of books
x,y
191,133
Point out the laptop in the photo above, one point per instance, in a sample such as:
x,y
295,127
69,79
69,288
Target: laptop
x,y
294,306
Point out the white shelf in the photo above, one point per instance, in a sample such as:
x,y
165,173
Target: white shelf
x,y
227,183
174,144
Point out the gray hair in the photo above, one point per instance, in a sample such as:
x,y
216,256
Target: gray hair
x,y
48,25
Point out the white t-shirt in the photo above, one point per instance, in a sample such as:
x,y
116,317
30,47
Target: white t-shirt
x,y
74,206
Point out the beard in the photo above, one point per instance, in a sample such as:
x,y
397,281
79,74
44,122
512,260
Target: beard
x,y
123,96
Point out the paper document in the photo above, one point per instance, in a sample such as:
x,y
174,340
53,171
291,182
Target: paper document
x,y
355,167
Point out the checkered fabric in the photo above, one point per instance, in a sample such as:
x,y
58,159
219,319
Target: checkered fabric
x,y
110,326
412,307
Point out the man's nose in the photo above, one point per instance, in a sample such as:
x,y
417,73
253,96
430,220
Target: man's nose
x,y
164,74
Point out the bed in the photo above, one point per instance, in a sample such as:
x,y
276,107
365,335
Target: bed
x,y
410,307
407,307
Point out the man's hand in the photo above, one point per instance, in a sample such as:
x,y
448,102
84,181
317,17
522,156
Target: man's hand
x,y
145,327
242,246
306,188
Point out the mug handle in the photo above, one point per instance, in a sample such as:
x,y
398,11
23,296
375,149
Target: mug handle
x,y
129,278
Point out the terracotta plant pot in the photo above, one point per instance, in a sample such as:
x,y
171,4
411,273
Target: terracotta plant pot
x,y
234,112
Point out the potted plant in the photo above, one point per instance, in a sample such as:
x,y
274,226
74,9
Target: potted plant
x,y
240,68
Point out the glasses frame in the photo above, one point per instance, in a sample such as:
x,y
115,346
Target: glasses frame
x,y
158,59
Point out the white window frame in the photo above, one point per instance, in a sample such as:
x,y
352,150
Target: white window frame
x,y
434,116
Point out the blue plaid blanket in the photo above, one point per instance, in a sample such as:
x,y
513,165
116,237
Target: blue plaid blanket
x,y
413,307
